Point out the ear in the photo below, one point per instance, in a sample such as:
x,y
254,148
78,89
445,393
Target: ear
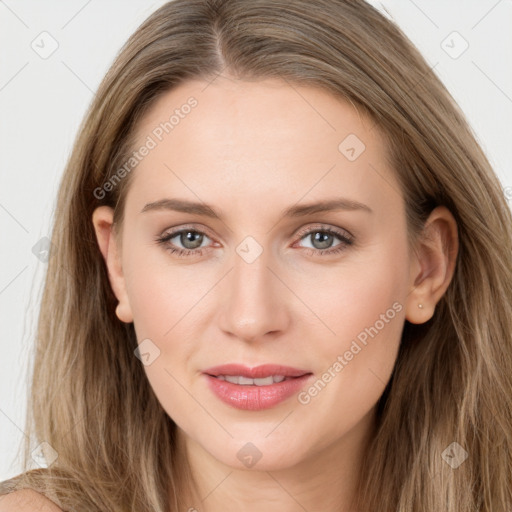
x,y
102,219
432,265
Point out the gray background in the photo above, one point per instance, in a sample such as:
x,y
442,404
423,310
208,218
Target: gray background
x,y
43,99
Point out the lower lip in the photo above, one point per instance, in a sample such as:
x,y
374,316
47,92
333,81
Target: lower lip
x,y
256,398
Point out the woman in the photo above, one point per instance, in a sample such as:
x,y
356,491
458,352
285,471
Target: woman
x,y
193,352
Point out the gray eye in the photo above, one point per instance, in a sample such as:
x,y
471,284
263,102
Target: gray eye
x,y
190,239
321,240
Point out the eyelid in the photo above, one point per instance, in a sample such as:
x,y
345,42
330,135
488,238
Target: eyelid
x,y
341,232
176,230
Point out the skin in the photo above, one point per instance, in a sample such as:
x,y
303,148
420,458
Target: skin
x,y
252,149
27,500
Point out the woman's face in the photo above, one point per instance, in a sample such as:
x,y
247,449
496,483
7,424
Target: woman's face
x,y
270,279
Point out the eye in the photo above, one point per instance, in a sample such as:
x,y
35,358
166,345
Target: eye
x,y
190,239
322,238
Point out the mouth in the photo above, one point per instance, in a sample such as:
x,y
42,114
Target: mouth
x,y
256,388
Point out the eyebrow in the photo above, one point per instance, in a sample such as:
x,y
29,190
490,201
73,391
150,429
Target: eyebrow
x,y
185,206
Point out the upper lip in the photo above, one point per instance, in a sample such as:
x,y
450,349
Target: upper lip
x,y
258,372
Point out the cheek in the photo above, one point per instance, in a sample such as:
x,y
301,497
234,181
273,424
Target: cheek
x,y
351,297
168,302
165,303
160,292
366,312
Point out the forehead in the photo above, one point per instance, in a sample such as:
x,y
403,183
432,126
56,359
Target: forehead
x,y
255,137
235,111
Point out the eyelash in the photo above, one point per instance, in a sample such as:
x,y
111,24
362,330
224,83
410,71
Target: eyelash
x,y
345,241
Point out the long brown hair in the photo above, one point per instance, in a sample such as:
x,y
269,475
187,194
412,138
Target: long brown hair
x,y
452,383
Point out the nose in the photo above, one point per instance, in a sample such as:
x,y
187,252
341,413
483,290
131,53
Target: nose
x,y
255,302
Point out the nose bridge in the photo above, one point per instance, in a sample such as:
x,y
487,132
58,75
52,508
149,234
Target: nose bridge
x,y
251,278
254,305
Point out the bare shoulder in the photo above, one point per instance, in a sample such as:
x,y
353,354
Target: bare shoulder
x,y
27,500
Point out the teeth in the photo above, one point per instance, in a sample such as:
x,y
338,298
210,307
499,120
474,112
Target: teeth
x,y
246,381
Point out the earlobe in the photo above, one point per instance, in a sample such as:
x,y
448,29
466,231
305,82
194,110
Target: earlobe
x,y
432,265
102,220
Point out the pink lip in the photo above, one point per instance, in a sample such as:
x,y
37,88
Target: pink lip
x,y
255,398
258,372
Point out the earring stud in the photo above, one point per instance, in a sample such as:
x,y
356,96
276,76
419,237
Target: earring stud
x,y
420,306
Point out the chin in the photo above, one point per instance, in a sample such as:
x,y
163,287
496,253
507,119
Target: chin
x,y
256,453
